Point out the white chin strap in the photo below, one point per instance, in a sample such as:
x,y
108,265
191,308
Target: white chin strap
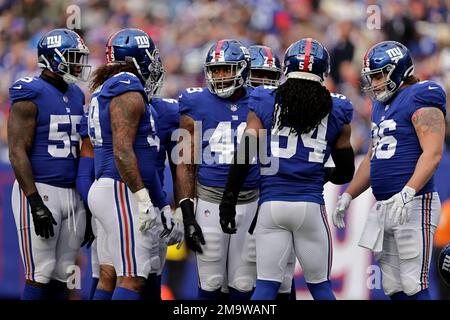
x,y
304,76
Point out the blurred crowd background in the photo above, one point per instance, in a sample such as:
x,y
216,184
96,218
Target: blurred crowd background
x,y
184,29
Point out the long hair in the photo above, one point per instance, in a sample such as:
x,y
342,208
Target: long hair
x,y
300,105
410,80
106,71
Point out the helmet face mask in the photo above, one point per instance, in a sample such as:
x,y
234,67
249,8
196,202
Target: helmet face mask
x,y
74,65
260,77
226,67
224,87
383,90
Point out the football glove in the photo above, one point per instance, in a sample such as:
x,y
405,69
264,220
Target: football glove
x,y
401,205
339,212
42,217
177,234
147,213
192,232
227,213
89,236
167,222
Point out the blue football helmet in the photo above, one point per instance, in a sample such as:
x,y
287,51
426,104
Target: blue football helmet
x,y
387,60
307,59
136,46
233,54
444,264
63,52
265,68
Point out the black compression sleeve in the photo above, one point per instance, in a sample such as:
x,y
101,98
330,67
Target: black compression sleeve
x,y
344,160
240,168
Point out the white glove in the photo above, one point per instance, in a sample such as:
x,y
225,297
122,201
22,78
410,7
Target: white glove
x,y
177,234
147,213
167,221
401,205
339,212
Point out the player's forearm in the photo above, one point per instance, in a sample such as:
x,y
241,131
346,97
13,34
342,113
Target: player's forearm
x,y
361,180
126,164
22,169
185,181
425,168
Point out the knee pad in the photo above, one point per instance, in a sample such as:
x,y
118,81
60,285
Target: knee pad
x,y
212,282
409,244
243,283
44,272
390,284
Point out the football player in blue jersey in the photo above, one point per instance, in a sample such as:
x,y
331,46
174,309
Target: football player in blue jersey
x,y
265,69
43,136
307,125
214,118
407,138
122,130
167,122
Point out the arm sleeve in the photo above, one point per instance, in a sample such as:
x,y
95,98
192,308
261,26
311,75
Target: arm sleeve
x,y
84,126
85,177
156,192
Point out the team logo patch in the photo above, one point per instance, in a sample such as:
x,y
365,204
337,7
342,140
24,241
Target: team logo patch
x,y
233,107
207,213
45,197
54,41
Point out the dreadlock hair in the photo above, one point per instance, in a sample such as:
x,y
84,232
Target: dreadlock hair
x,y
106,71
300,105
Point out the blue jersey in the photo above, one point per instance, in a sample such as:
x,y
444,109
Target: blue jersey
x,y
145,146
396,147
300,173
54,154
222,124
167,121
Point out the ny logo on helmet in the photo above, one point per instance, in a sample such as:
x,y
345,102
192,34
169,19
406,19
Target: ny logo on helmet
x,y
142,41
395,54
446,264
245,52
54,41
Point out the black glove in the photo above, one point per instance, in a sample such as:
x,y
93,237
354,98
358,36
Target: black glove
x,y
227,213
89,236
192,231
42,217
